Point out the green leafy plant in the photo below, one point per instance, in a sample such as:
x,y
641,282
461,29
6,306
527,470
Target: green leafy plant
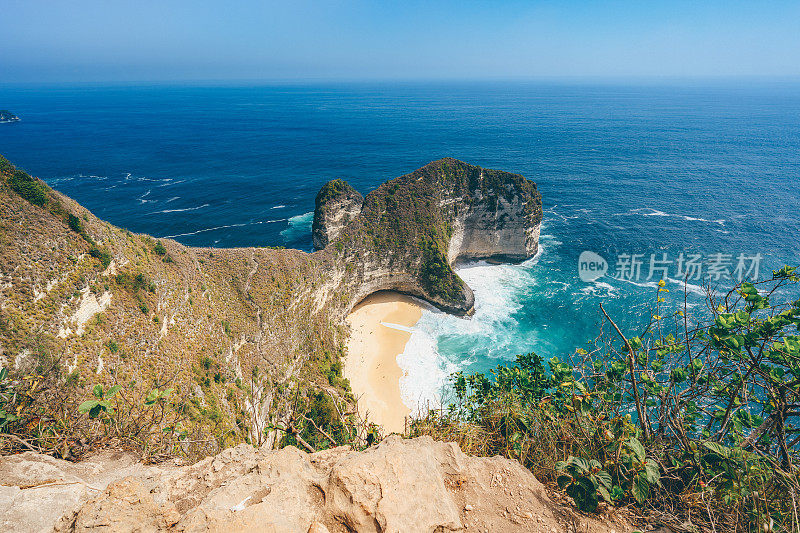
x,y
7,397
28,187
101,404
585,481
157,396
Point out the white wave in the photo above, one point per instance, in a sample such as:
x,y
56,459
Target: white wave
x,y
169,181
298,226
179,210
280,206
426,372
600,288
172,199
650,212
697,289
142,198
204,230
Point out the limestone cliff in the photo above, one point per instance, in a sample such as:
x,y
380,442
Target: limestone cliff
x,y
408,233
398,486
337,204
241,337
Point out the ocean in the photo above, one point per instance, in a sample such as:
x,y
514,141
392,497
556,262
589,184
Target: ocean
x,y
668,176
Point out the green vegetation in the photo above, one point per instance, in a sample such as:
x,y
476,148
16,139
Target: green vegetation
x,y
101,404
687,423
29,188
102,254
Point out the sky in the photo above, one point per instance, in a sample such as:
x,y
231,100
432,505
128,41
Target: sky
x,y
169,40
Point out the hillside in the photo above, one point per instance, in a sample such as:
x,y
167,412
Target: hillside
x,y
198,349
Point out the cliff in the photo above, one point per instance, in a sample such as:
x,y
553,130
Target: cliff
x,y
407,234
409,486
242,339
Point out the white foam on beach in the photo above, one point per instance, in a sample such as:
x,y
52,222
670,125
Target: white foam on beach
x,y
426,372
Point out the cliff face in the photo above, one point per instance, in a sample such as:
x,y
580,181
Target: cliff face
x,y
337,204
408,233
234,333
415,485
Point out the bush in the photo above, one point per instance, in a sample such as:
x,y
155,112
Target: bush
x,y
672,417
29,188
74,223
102,254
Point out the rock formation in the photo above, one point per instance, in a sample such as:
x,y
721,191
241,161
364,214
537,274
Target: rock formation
x,y
409,232
336,205
400,486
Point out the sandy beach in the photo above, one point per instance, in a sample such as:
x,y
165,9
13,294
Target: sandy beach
x,y
371,363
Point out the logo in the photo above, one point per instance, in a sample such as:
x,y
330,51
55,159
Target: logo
x,y
591,266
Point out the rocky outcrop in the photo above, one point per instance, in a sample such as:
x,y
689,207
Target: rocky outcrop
x,y
336,205
7,116
407,486
410,231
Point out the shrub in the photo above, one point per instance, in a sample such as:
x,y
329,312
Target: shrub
x,y
102,254
710,410
74,223
29,188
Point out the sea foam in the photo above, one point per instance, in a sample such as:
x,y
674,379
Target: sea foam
x,y
427,371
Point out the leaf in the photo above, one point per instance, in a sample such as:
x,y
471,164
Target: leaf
x,y
640,489
152,397
637,448
652,472
98,391
94,411
604,493
717,448
605,478
563,480
112,391
87,405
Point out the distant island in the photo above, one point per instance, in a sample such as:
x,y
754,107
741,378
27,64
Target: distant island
x,y
8,116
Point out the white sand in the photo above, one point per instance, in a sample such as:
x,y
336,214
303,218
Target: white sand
x,y
371,363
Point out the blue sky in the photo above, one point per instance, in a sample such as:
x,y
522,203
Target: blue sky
x,y
149,40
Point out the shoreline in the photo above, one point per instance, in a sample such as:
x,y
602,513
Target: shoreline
x,y
372,351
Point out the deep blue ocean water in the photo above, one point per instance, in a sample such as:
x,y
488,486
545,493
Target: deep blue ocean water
x,y
623,169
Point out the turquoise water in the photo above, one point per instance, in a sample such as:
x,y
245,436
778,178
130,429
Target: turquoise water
x,y
659,169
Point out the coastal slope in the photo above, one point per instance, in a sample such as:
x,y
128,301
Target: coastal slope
x,y
248,340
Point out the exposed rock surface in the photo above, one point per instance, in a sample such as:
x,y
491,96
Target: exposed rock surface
x,y
407,486
411,230
337,204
